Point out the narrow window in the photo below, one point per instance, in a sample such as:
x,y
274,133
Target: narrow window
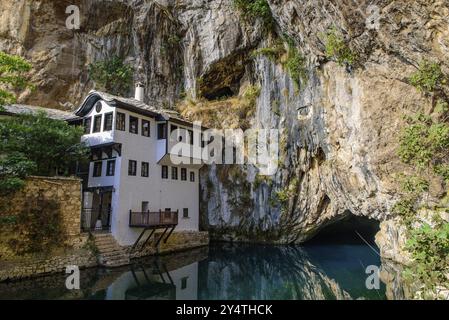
x,y
120,121
145,128
87,124
133,124
108,121
191,137
97,168
185,212
145,172
164,172
174,173
110,169
192,176
97,123
184,283
161,131
132,167
183,174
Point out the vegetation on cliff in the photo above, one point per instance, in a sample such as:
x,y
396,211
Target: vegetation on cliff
x,y
112,75
338,49
256,9
424,145
13,76
285,53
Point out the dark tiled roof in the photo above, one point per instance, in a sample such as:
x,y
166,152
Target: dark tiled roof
x,y
129,103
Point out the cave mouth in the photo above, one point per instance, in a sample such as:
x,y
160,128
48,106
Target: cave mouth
x,y
350,230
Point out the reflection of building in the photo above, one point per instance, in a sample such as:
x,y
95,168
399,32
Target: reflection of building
x,y
155,282
132,180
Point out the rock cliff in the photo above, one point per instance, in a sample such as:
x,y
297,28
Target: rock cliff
x,y
339,126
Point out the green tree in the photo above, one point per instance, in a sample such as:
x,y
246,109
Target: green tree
x,y
35,144
111,75
13,71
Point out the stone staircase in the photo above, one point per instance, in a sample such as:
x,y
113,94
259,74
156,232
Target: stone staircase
x,y
110,253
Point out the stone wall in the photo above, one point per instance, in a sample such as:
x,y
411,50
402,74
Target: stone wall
x,y
38,266
66,192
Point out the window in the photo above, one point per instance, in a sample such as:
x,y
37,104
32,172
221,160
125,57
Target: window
x,y
161,131
110,169
192,176
132,167
145,128
97,169
87,124
133,124
164,172
144,169
98,107
191,137
97,123
173,128
167,209
108,121
120,121
183,174
184,283
174,173
145,206
185,212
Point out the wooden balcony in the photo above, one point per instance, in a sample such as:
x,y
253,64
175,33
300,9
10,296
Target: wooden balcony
x,y
160,219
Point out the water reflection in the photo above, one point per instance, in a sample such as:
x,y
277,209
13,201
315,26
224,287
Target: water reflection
x,y
222,271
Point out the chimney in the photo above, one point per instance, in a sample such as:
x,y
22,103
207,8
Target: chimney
x,y
139,92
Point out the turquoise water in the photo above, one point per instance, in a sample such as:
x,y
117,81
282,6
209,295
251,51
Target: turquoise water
x,y
222,271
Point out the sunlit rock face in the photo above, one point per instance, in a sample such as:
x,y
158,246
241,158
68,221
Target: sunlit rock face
x,y
339,129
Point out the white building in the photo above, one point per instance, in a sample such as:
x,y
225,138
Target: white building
x,y
132,182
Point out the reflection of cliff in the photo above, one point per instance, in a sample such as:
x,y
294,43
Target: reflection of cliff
x,y
267,272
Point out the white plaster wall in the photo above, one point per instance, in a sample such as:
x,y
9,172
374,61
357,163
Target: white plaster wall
x,y
130,191
159,193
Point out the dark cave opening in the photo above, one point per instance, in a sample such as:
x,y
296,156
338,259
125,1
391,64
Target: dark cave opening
x,y
221,93
350,230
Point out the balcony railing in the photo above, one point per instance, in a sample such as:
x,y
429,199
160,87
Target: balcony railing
x,y
93,219
153,219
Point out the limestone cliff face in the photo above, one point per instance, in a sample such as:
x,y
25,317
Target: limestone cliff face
x,y
340,128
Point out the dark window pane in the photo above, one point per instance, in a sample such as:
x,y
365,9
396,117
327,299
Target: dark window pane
x,y
162,131
97,169
108,121
97,123
183,174
190,137
133,124
87,124
164,172
174,173
132,167
110,169
145,166
185,212
120,121
192,176
146,128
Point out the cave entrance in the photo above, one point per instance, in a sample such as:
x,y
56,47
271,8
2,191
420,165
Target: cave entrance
x,y
350,230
